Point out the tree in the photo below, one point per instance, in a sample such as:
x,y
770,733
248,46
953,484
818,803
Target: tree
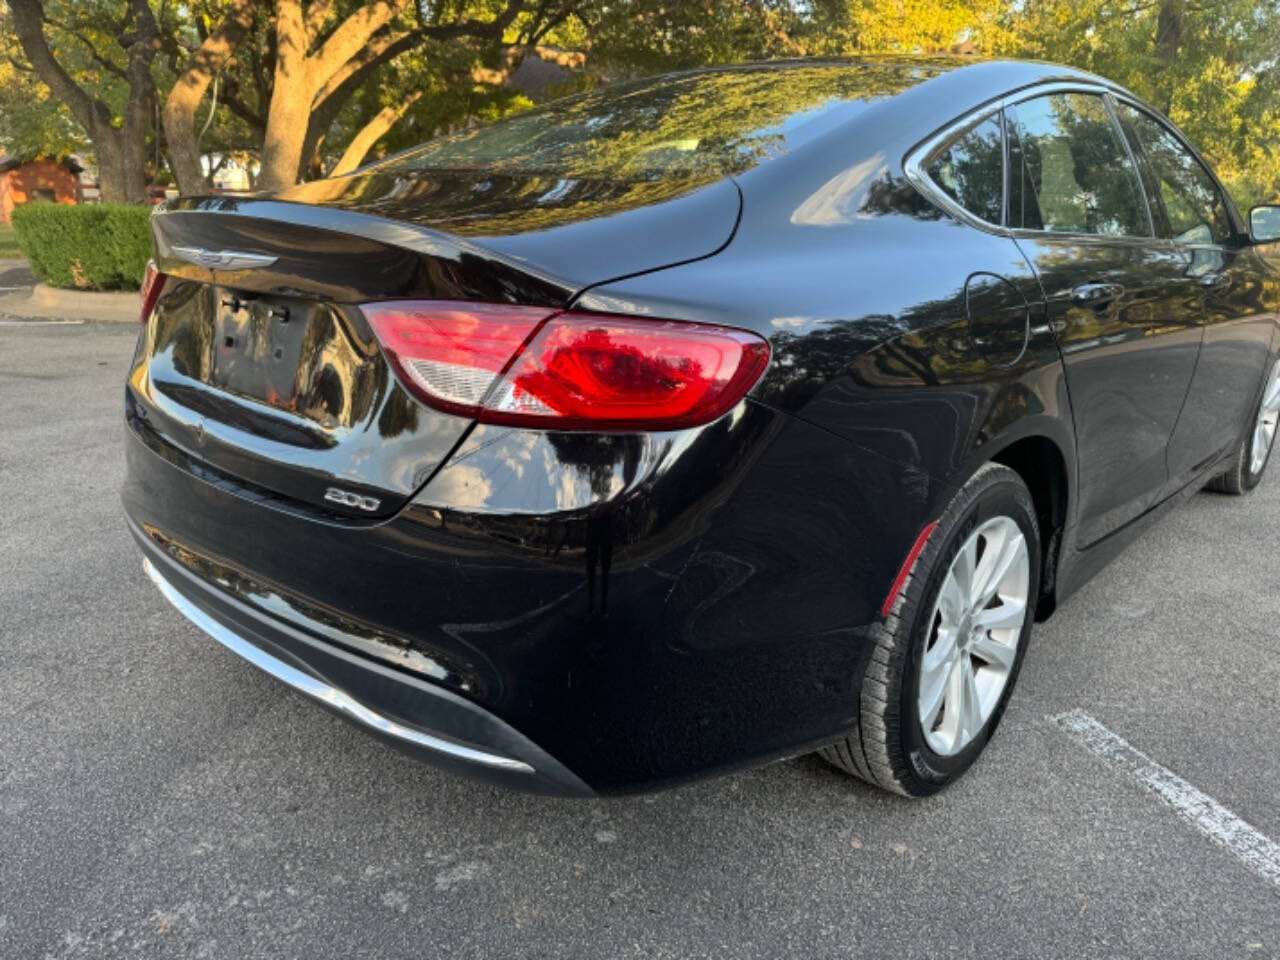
x,y
33,122
304,83
121,41
289,72
210,57
307,58
438,87
1209,66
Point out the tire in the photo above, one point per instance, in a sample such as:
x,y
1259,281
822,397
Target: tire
x,y
1242,477
889,746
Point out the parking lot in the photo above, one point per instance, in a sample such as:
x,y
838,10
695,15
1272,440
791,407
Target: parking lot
x,y
160,798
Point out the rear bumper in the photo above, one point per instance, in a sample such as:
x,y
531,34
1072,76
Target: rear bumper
x,y
618,613
425,721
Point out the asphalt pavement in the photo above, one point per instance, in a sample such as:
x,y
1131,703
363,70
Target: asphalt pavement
x,y
159,798
15,276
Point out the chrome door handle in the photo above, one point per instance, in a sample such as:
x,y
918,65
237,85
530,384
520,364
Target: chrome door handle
x,y
1096,294
1216,282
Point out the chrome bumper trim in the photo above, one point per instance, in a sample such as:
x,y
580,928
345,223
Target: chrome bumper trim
x,y
319,690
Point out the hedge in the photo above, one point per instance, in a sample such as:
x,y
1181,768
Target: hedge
x,y
88,247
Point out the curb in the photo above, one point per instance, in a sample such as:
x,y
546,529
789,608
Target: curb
x,y
45,302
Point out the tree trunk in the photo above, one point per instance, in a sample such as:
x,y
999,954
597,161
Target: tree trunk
x,y
291,97
286,131
301,75
111,176
1168,38
144,43
184,100
371,133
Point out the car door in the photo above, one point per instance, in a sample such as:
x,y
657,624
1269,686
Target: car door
x,y
1122,302
1190,208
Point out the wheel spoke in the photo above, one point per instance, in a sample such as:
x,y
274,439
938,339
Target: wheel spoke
x,y
951,601
954,702
972,710
965,565
996,563
1008,616
997,654
933,689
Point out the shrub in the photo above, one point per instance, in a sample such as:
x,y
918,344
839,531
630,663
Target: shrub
x,y
89,247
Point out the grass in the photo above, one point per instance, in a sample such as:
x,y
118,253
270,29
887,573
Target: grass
x,y
8,243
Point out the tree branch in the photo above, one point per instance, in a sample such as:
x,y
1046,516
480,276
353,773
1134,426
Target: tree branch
x,y
384,46
88,44
333,96
317,13
28,22
351,36
371,133
233,102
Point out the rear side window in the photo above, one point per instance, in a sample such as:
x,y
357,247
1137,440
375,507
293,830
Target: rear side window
x,y
1192,203
1070,171
970,170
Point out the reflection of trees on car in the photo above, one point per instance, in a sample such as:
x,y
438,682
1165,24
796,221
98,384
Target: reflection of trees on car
x,y
709,125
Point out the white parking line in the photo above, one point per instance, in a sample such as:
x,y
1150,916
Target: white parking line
x,y
1256,851
40,323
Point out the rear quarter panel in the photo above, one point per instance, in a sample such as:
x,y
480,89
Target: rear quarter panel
x,y
859,284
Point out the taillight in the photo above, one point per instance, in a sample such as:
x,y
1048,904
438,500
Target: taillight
x,y
583,371
567,371
449,354
152,284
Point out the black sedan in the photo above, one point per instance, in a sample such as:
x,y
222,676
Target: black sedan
x,y
698,421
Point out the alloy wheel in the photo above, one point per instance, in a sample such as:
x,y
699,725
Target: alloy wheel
x,y
1264,432
973,640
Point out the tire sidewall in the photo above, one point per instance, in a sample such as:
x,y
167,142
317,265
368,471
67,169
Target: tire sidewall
x,y
1003,496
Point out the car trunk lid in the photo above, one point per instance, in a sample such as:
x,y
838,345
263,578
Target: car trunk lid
x,y
258,362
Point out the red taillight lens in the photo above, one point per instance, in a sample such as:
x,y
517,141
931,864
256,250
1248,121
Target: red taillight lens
x,y
152,284
577,372
584,371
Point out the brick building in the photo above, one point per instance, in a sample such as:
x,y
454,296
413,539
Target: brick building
x,y
37,180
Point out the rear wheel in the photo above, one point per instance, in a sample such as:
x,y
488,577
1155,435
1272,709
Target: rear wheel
x,y
946,658
1255,448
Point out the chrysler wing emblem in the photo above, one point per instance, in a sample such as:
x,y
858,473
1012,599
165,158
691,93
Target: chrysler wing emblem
x,y
223,259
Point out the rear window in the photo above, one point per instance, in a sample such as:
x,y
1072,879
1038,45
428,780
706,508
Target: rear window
x,y
701,125
970,169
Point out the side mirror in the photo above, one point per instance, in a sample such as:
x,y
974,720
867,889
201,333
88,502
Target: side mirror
x,y
1264,223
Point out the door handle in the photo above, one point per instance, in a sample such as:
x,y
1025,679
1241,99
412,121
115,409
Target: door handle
x,y
1215,282
1096,294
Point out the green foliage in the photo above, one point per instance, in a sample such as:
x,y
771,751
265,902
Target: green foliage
x,y
89,247
1209,66
32,121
